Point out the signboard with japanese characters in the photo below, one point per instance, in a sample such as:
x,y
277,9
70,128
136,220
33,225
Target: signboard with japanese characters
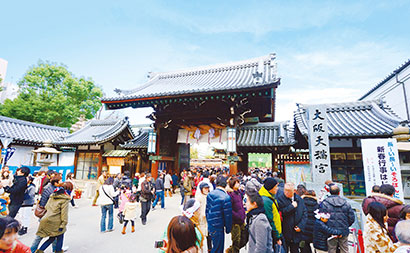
x,y
381,164
319,143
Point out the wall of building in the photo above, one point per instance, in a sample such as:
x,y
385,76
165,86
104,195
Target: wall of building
x,y
392,92
66,158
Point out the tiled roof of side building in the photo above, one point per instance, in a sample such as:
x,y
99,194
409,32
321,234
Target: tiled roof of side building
x,y
387,78
359,118
96,132
267,134
141,141
257,72
25,132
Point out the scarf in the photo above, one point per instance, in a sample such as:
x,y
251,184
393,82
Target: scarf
x,y
190,211
253,213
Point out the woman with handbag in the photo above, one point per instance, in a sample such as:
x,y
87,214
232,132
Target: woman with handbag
x,y
106,201
54,224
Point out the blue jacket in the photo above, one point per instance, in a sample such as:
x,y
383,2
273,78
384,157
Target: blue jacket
x,y
218,211
159,184
322,231
292,217
341,213
47,191
29,195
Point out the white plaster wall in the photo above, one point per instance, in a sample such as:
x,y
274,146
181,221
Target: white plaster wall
x,y
67,158
22,156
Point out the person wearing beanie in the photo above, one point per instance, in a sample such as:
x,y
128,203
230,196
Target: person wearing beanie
x,y
219,214
200,196
268,193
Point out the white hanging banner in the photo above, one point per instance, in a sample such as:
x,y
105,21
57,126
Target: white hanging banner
x,y
212,136
382,165
319,143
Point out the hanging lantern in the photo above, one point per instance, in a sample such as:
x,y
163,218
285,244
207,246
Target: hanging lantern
x,y
231,140
152,142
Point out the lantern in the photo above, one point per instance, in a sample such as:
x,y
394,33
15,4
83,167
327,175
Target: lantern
x,y
231,142
152,142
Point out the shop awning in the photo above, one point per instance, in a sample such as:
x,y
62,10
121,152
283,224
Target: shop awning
x,y
116,153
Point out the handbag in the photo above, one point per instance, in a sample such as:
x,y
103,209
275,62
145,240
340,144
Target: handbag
x,y
113,200
39,211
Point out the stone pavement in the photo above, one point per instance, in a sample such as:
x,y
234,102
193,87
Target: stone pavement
x,y
83,230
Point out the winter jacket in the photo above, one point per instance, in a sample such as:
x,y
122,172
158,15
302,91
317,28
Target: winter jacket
x,y
55,220
159,184
18,247
126,181
188,182
124,198
219,211
376,239
342,215
260,233
392,205
47,191
238,211
175,180
292,216
311,206
322,231
203,224
167,181
130,211
17,190
103,199
29,195
272,212
146,191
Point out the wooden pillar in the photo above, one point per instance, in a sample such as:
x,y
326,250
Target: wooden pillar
x,y
233,168
100,157
154,169
138,169
243,164
274,162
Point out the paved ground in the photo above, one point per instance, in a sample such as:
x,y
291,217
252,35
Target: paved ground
x,y
83,230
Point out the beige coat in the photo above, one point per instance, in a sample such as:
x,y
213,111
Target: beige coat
x,y
376,239
56,216
130,211
203,224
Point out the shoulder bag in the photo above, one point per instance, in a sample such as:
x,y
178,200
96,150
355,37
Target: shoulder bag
x,y
113,200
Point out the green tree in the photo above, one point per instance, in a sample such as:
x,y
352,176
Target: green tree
x,y
50,94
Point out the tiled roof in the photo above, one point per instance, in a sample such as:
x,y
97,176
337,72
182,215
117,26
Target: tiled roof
x,y
359,118
28,132
141,141
116,153
265,134
258,72
96,132
387,78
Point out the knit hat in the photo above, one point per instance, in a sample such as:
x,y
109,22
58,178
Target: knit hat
x,y
203,185
221,181
269,183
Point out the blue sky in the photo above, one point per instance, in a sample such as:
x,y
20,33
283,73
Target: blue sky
x,y
328,51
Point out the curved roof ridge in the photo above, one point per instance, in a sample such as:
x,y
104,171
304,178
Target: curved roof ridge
x,y
387,78
33,124
118,124
216,67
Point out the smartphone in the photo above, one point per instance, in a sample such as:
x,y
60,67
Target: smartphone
x,y
159,244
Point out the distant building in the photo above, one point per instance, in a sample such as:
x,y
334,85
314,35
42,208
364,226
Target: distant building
x,y
8,90
395,90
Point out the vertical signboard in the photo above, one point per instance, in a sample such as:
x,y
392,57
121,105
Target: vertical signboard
x,y
381,164
152,142
319,143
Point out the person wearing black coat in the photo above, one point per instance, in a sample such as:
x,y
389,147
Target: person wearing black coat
x,y
17,190
294,216
311,204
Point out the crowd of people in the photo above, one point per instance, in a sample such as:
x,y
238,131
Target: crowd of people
x,y
260,211
265,214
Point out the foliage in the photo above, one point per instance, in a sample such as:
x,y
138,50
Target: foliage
x,y
194,153
50,94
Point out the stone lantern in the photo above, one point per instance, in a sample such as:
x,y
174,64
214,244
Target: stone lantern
x,y
46,155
